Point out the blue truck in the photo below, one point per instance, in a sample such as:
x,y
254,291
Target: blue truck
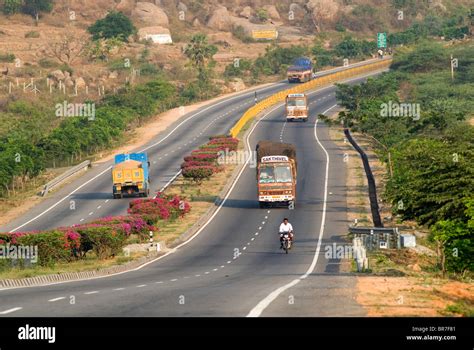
x,y
130,175
300,71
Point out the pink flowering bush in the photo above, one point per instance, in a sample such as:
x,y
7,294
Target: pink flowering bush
x,y
160,208
195,167
198,173
53,246
128,225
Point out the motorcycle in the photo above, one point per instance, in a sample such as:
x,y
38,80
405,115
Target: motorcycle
x,y
286,242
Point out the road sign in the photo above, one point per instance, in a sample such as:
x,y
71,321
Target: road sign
x,y
270,34
381,40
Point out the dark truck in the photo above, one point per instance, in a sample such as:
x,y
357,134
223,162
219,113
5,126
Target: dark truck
x,y
276,173
300,71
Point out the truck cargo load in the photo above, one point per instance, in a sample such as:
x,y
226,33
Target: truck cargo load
x,y
276,173
130,175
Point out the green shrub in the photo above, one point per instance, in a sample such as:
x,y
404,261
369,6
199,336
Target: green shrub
x,y
46,63
11,7
35,7
427,57
104,241
240,33
149,69
32,34
7,57
114,25
198,173
52,246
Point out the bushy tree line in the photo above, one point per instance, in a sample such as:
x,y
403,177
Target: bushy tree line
x,y
432,153
449,28
30,7
25,152
276,59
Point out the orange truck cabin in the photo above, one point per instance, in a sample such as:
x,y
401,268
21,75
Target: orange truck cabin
x,y
297,107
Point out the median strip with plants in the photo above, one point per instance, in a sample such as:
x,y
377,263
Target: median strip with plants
x,y
105,237
102,241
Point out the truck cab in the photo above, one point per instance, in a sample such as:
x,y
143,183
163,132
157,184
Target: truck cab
x,y
296,107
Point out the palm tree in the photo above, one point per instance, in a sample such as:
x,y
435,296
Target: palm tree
x,y
200,52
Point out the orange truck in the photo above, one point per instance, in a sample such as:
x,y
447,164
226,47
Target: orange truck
x,y
276,174
297,107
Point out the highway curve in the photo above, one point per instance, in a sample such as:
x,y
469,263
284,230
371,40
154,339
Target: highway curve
x,y
90,196
233,267
92,193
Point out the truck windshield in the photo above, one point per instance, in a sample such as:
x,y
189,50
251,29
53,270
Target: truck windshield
x,y
296,103
272,174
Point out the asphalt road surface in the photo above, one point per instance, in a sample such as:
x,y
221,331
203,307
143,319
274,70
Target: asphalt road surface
x,y
234,266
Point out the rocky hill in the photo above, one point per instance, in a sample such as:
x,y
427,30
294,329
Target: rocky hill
x,y
229,24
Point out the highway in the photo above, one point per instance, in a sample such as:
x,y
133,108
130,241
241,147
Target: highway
x,y
90,196
233,267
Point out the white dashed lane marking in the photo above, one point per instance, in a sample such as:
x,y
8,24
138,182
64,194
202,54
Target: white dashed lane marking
x,y
93,292
56,299
9,311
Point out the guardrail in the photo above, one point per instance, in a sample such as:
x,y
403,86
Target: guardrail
x,y
330,78
377,237
53,183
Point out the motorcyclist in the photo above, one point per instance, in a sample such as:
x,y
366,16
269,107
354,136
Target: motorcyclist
x,y
285,227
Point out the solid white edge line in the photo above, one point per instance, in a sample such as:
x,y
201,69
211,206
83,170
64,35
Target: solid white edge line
x,y
144,149
61,200
265,302
210,219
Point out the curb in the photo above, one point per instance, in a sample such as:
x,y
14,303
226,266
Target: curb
x,y
75,276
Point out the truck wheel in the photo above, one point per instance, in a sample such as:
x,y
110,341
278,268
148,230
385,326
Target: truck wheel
x,y
305,120
262,205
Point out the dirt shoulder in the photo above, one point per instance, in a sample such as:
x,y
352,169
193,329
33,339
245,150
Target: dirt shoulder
x,y
399,282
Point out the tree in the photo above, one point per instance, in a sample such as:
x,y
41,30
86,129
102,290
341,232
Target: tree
x,y
348,48
35,7
262,15
114,25
426,57
11,7
200,53
68,49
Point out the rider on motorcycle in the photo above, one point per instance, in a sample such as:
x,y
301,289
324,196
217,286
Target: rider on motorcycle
x,y
285,227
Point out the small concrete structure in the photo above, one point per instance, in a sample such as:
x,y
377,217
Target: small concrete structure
x,y
408,240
